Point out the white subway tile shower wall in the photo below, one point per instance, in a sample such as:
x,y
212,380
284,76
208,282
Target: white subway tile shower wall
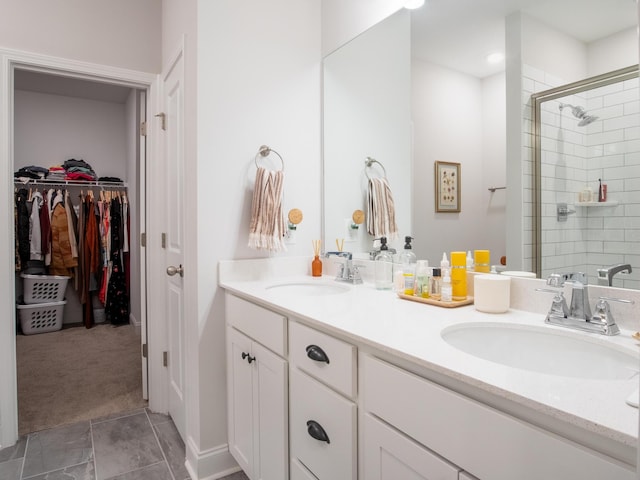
x,y
574,158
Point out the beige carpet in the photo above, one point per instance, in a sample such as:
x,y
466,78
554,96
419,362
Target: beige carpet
x,y
77,374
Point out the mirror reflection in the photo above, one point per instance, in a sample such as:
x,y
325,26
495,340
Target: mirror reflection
x,y
587,155
465,110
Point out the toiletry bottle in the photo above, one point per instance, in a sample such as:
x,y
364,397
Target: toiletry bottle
x,y
469,261
384,267
316,266
458,276
481,260
446,289
435,284
407,260
422,279
444,263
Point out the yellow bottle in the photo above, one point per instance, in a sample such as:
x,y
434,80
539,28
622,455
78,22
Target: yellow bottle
x,y
481,261
458,276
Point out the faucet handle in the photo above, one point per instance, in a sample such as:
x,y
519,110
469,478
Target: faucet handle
x,y
556,280
604,317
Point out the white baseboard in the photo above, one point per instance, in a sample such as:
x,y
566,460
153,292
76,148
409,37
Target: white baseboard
x,y
209,464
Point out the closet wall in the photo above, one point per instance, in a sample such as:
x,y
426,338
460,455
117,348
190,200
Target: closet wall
x,y
58,118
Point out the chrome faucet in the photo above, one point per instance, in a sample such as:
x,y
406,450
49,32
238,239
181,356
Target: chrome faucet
x,y
347,272
578,314
605,275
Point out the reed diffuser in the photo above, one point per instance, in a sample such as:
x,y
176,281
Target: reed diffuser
x,y
316,264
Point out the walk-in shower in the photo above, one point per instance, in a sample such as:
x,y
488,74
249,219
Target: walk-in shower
x,y
569,160
580,113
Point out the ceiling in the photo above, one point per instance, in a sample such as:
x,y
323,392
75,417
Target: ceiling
x,y
460,34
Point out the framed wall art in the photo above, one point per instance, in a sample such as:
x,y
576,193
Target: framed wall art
x,y
447,188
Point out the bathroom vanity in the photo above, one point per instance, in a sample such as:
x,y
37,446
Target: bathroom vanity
x,y
334,381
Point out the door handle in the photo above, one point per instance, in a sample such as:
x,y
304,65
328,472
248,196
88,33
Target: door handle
x,y
171,270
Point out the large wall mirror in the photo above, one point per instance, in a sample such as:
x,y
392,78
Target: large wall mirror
x,y
467,111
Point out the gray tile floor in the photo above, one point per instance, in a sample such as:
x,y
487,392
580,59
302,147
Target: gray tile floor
x,y
138,445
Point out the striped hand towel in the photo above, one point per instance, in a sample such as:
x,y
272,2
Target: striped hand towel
x,y
266,230
381,214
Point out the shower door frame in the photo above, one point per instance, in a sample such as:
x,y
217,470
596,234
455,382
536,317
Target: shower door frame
x,y
537,99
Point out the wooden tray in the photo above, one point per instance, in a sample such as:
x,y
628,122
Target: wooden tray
x,y
437,303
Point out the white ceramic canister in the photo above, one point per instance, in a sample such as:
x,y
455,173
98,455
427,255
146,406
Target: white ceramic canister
x,y
491,293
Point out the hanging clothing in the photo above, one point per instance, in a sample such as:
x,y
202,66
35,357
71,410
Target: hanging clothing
x,y
45,228
35,237
22,227
117,306
62,260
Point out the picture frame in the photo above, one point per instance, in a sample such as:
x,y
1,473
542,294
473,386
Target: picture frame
x,y
447,187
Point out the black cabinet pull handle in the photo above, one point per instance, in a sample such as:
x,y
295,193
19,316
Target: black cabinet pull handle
x,y
248,357
314,352
316,431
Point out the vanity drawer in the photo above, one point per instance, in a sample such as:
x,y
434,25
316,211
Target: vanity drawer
x,y
469,434
264,326
310,401
300,472
328,359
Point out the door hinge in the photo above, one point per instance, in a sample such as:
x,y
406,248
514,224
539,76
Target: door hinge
x,y
163,119
143,129
164,240
145,351
143,239
165,359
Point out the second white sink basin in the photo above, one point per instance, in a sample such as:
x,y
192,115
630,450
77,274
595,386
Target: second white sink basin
x,y
309,288
543,350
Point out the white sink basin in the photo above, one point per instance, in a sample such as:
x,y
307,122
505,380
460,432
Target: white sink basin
x,y
544,350
309,289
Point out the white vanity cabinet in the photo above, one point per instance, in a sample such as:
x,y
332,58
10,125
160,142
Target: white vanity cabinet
x,y
323,412
432,420
257,380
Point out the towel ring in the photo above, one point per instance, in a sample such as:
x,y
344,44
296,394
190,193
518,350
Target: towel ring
x,y
264,152
368,162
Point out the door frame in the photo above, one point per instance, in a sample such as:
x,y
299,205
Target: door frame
x,y
10,60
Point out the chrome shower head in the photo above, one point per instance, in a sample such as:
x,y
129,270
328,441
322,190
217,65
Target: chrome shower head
x,y
580,114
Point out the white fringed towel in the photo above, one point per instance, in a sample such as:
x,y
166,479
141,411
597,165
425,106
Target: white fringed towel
x,y
266,230
381,213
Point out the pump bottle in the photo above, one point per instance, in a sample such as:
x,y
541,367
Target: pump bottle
x,y
384,267
407,262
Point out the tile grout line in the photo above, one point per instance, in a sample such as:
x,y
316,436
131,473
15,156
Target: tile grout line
x,y
93,451
134,470
153,429
24,457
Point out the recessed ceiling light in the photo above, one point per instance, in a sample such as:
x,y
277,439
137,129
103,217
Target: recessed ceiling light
x,y
412,4
495,57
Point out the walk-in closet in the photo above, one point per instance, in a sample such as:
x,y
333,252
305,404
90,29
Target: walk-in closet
x,y
78,157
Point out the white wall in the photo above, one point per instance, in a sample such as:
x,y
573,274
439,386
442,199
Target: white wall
x,y
264,90
343,20
118,32
616,51
448,117
367,113
50,129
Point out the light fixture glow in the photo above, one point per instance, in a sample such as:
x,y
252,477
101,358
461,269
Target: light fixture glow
x,y
495,57
412,4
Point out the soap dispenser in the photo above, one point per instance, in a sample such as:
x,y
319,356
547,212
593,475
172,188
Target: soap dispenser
x,y
407,260
384,267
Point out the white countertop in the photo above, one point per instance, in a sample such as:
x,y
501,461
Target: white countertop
x,y
412,332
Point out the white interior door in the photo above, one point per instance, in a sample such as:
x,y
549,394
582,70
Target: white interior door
x,y
173,131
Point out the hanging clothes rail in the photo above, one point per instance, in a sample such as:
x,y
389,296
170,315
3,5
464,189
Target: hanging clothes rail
x,y
71,183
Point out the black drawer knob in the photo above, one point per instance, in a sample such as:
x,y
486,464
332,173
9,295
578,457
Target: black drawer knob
x,y
315,430
248,357
314,352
